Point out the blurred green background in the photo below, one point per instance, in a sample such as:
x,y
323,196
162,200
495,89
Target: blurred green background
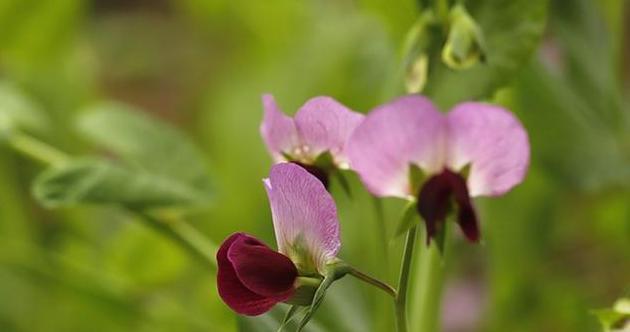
x,y
554,248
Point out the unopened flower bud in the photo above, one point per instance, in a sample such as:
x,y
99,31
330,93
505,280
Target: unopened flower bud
x,y
465,44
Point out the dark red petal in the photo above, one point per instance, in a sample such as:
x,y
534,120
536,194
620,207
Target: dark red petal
x,y
466,216
434,199
262,270
433,202
233,292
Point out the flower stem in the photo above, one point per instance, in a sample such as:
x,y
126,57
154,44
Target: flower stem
x,y
427,296
36,149
373,281
403,283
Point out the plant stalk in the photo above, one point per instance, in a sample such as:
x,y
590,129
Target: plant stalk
x,y
427,296
373,281
36,149
403,283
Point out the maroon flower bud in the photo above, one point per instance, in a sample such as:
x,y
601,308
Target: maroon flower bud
x,y
252,278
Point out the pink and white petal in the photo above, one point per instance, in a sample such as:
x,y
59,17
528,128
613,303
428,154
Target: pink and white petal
x,y
277,129
324,124
409,130
304,211
495,144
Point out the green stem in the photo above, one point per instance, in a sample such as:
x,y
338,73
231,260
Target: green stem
x,y
403,283
427,295
187,236
373,281
36,149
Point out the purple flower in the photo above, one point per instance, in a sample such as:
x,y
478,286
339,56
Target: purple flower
x,y
322,125
252,278
476,149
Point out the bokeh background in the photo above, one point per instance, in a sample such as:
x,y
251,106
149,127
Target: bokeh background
x,y
554,248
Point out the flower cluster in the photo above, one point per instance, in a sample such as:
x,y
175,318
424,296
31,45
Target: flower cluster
x,y
405,148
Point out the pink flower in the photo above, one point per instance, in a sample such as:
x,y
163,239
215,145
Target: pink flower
x,y
252,278
483,140
322,125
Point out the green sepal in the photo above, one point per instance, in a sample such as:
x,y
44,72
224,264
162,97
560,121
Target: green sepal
x,y
287,156
304,291
408,219
290,315
417,177
324,161
465,171
335,271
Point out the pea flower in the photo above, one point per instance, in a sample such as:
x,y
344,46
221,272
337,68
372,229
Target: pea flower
x,y
319,129
252,278
476,149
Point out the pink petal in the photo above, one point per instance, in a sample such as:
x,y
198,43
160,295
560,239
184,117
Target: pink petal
x,y
325,125
393,136
231,288
277,129
493,142
304,213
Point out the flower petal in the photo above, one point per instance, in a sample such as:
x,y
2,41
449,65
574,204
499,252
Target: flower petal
x,y
324,124
262,270
304,214
466,215
232,290
277,129
434,201
493,142
407,130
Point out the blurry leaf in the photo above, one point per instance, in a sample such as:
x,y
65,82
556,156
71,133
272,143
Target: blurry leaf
x,y
617,318
18,112
146,143
144,257
512,30
102,182
567,137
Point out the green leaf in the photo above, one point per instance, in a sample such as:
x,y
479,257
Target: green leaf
x,y
17,111
145,143
93,181
512,30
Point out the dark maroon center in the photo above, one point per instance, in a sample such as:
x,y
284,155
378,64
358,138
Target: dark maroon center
x,y
435,201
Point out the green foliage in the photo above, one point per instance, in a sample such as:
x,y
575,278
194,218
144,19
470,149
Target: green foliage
x,y
145,143
18,112
512,30
102,182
